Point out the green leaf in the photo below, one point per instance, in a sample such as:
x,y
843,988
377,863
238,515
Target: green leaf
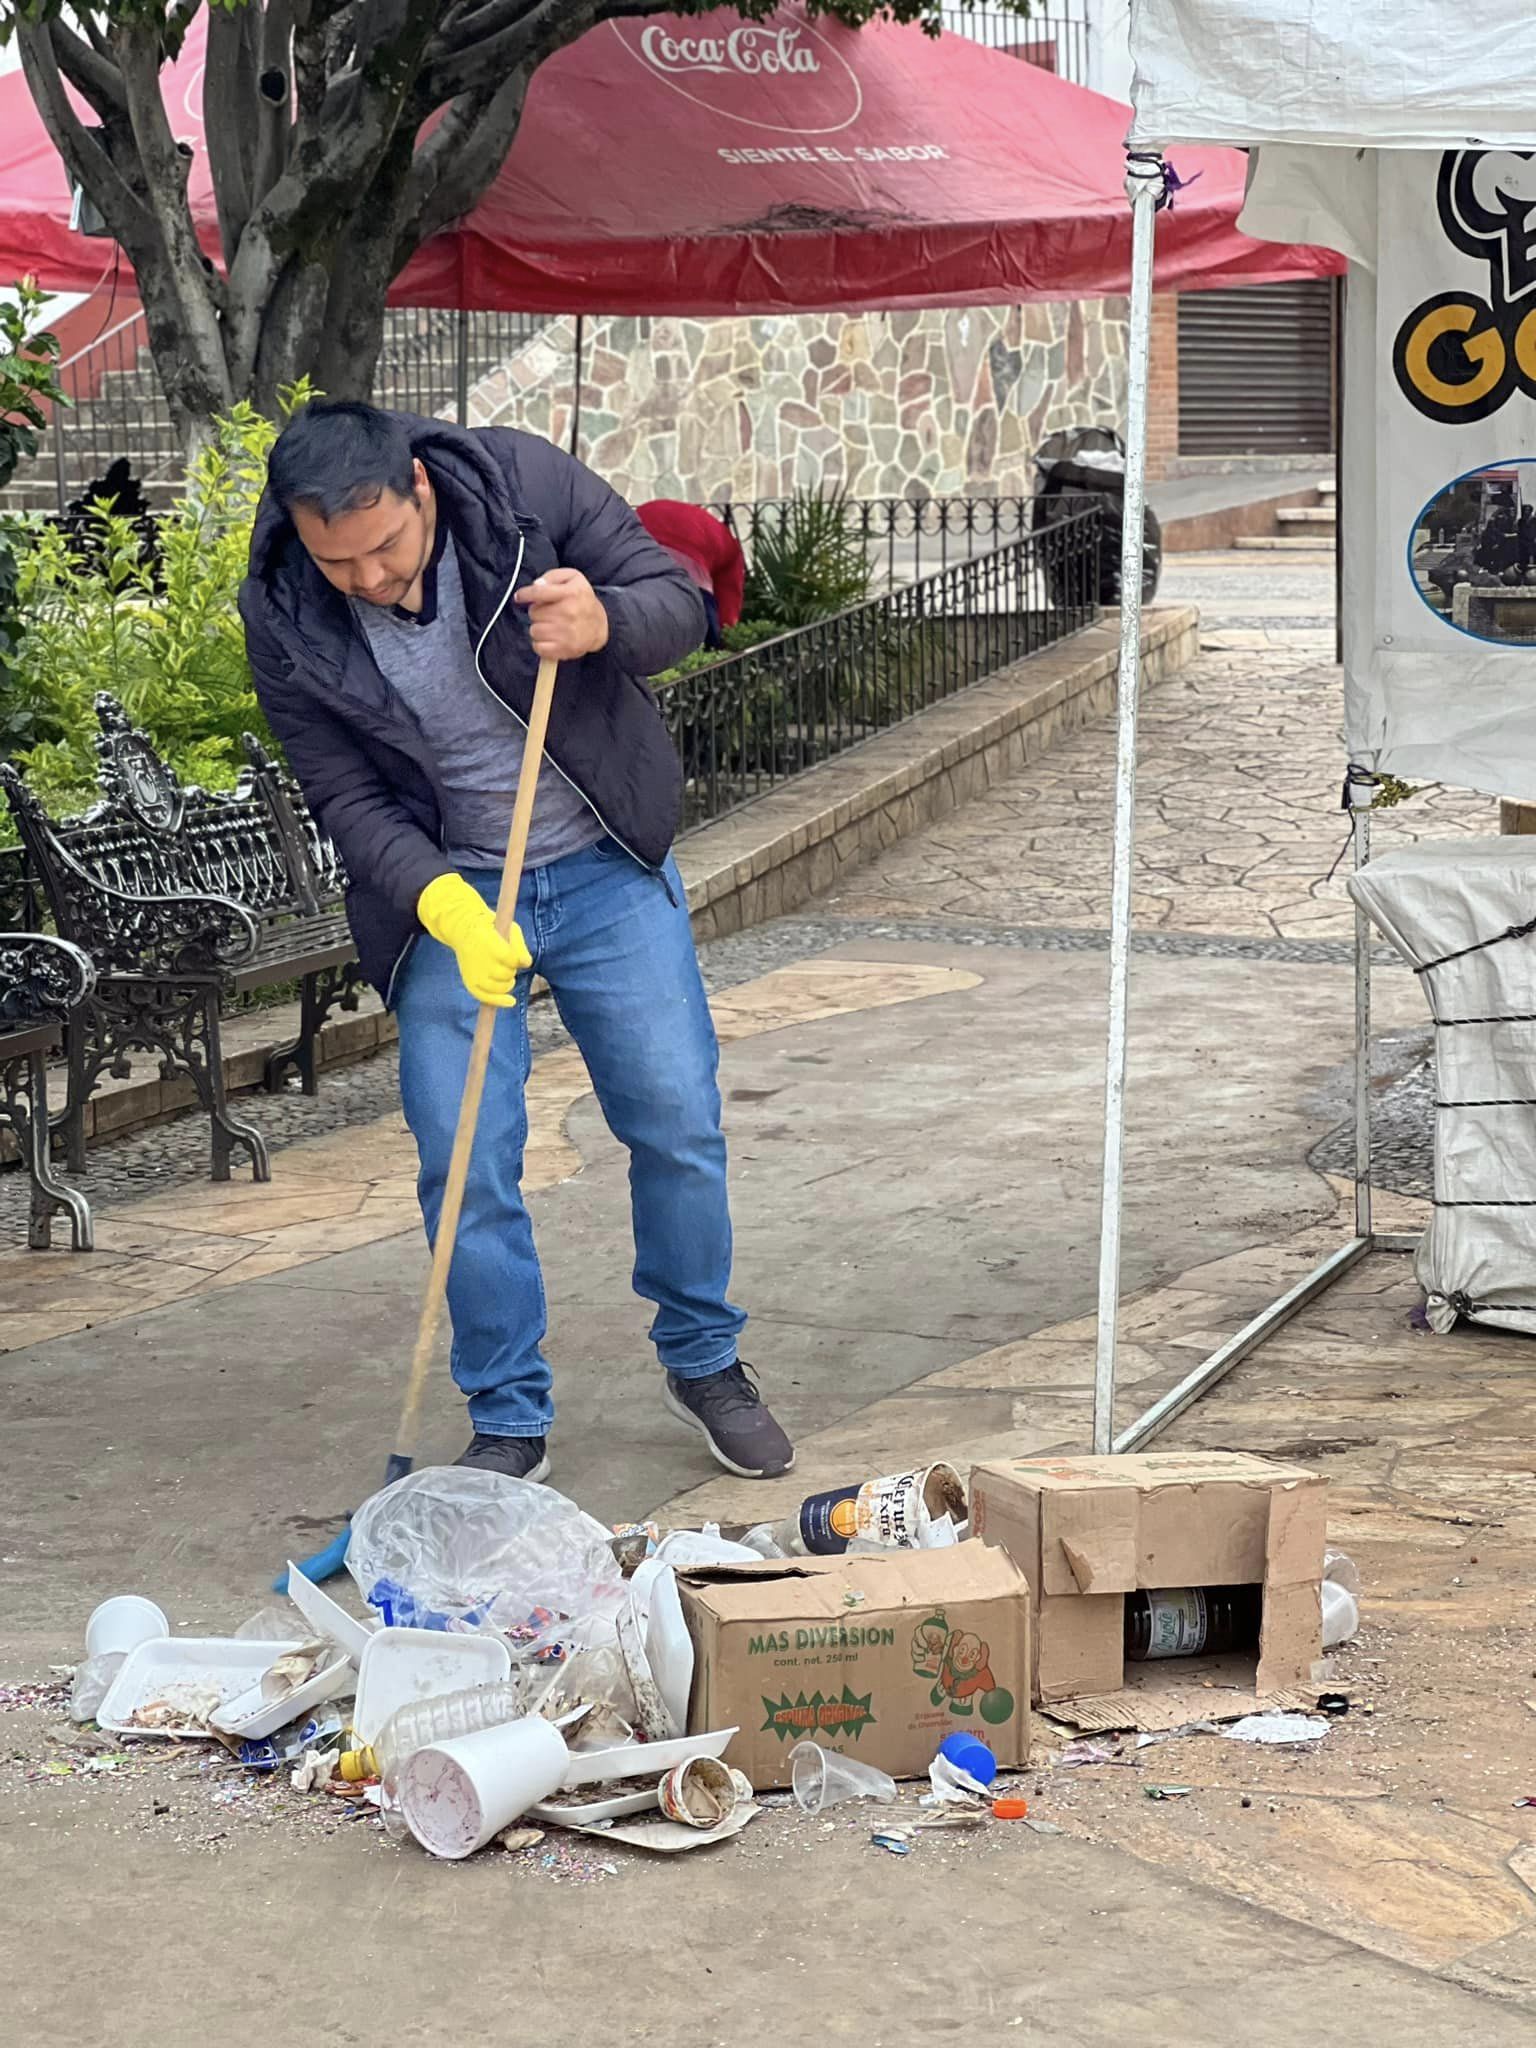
x,y
171,648
808,564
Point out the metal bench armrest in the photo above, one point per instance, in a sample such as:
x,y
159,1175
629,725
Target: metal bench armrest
x,y
41,977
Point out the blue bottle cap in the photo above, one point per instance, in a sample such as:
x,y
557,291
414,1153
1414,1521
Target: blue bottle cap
x,y
970,1754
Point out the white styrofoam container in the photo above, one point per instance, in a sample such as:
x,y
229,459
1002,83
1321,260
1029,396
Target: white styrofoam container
x,y
401,1665
586,1816
252,1717
326,1617
226,1664
644,1759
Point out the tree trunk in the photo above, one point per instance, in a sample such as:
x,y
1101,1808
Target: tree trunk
x,y
347,356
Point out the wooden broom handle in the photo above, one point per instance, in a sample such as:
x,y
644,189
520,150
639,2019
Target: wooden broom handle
x,y
474,1079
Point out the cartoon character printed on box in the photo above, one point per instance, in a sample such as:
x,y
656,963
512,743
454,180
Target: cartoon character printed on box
x,y
929,1641
960,1665
965,1673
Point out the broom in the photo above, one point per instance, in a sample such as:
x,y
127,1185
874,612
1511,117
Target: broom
x,y
326,1563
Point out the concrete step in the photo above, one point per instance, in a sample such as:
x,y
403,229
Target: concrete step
x,y
1284,543
1307,515
1328,491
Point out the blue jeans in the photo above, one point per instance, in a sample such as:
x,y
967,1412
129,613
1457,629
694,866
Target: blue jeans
x,y
614,943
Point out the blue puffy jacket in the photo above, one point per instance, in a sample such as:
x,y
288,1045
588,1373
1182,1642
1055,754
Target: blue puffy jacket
x,y
515,506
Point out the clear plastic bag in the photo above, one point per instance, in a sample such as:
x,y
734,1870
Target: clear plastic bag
x,y
452,1547
271,1625
92,1682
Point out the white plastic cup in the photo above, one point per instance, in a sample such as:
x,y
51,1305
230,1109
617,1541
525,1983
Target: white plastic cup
x,y
457,1795
122,1623
1341,1614
823,1777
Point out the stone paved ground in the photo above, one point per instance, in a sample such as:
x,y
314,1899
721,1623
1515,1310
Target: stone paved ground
x,y
912,1076
1239,830
1238,833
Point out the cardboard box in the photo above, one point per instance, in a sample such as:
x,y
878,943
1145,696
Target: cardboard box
x,y
1087,1531
881,1657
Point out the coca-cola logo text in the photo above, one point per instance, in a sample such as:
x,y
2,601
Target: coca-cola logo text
x,y
755,52
786,75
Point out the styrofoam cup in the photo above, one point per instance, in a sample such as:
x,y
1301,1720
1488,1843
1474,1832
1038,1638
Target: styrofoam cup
x,y
699,1793
122,1623
457,1795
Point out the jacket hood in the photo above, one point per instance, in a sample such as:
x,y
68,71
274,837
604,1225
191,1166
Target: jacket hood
x,y
284,580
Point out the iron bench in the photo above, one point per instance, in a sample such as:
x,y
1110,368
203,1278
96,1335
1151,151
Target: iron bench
x,y
184,898
42,982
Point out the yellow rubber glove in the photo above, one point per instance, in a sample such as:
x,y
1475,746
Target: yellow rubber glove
x,y
459,916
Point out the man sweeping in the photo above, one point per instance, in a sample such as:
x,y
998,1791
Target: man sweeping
x,y
406,577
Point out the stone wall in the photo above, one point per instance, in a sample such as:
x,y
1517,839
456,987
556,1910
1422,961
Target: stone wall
x,y
884,404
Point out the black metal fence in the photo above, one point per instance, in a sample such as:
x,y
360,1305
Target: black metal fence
x,y
431,359
747,722
907,538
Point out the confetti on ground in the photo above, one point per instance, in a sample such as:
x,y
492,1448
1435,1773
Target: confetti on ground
x,y
50,1694
564,1862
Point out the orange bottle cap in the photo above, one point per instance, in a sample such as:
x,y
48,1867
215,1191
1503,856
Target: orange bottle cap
x,y
1009,1809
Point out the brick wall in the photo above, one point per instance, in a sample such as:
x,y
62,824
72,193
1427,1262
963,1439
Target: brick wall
x,y
1163,385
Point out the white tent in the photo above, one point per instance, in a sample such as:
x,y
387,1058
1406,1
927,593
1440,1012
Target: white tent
x,y
1406,139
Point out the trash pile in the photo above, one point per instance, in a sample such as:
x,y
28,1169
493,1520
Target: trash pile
x,y
519,1667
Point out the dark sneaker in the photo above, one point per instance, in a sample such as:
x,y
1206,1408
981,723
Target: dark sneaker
x,y
520,1457
729,1411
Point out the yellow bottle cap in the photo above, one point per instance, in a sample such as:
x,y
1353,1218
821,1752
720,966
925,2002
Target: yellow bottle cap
x,y
357,1765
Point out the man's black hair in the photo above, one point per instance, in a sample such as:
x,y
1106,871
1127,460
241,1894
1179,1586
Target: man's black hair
x,y
338,455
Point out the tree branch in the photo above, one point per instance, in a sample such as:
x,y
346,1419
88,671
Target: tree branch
x,y
165,178
87,67
479,18
229,118
458,160
512,33
276,116
87,162
179,17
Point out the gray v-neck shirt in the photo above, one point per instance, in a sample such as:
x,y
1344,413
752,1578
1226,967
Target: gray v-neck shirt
x,y
475,741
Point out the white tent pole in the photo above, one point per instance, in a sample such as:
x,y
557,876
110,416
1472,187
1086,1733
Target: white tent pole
x,y
1144,184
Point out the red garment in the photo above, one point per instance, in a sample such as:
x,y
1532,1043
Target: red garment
x,y
704,545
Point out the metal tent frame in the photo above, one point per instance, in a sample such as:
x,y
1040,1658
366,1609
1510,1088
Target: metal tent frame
x,y
1148,189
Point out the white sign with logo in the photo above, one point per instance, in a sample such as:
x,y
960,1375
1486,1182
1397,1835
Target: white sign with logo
x,y
1438,467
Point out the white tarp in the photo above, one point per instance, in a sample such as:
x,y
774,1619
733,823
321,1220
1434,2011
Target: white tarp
x,y
1432,901
1438,465
1376,73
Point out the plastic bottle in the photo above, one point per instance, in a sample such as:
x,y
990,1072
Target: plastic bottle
x,y
1341,1599
1191,1621
420,1722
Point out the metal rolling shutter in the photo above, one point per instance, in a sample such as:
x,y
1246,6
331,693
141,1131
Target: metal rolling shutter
x,y
1256,370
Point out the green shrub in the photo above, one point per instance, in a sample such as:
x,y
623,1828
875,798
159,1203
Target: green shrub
x,y
738,638
167,641
27,385
809,565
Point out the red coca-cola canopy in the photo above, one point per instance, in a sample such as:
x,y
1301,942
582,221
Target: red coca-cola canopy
x,y
710,166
